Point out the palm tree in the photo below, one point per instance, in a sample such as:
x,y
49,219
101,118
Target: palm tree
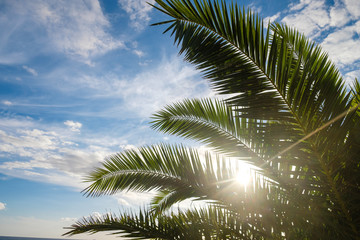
x,y
287,112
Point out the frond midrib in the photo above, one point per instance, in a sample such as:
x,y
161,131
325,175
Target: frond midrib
x,y
145,172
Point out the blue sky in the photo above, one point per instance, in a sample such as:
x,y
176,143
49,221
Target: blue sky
x,y
79,81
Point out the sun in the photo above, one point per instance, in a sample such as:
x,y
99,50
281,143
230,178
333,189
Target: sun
x,y
243,177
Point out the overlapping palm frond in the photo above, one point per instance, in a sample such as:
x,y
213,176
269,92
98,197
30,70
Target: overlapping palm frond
x,y
287,112
281,80
209,121
209,223
178,173
215,124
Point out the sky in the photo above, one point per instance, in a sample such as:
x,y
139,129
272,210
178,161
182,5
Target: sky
x,y
79,81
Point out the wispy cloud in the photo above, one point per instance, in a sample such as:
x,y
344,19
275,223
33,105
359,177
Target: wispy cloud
x,y
313,17
30,70
138,11
146,92
7,103
75,28
343,44
28,151
14,123
51,152
271,18
335,27
309,17
139,53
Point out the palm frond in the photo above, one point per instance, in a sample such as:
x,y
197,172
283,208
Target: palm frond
x,y
135,226
176,170
207,223
214,123
287,111
209,121
278,79
271,74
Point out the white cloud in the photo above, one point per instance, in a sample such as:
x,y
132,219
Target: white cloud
x,y
148,91
343,45
300,5
139,53
171,81
312,18
2,206
134,199
7,103
36,151
75,28
7,122
272,18
339,16
74,126
344,11
78,161
336,27
138,11
34,139
30,70
353,6
25,165
47,155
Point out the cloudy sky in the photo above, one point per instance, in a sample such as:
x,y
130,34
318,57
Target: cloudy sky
x,y
79,81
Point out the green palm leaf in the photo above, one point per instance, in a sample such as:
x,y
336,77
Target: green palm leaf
x,y
280,80
207,223
209,121
176,170
140,226
287,112
214,123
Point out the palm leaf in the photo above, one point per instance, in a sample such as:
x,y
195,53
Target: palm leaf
x,y
278,79
140,226
207,223
287,112
209,121
176,170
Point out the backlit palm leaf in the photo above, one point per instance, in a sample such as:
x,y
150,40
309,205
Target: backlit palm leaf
x,y
179,171
287,112
279,76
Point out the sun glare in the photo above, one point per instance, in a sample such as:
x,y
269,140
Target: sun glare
x,y
243,177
